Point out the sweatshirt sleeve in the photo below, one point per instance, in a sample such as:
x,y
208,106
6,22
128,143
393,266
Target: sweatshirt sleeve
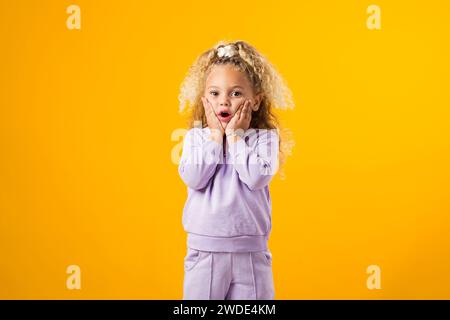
x,y
257,164
199,159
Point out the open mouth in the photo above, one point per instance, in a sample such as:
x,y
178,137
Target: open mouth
x,y
224,116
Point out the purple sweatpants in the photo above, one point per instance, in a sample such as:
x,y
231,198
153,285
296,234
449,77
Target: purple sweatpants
x,y
228,275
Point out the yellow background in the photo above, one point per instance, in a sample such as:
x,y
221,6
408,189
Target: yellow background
x,y
86,119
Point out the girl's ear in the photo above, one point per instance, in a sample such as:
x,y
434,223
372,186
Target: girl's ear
x,y
257,99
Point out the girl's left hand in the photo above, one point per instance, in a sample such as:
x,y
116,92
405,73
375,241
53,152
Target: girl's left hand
x,y
241,119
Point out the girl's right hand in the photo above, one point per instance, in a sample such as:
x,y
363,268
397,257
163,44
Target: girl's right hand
x,y
213,122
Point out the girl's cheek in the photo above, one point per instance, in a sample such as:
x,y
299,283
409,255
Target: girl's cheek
x,y
239,102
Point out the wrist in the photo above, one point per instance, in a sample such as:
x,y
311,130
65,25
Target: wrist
x,y
235,132
234,135
216,136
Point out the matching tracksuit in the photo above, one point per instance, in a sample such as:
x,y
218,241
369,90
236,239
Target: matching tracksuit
x,y
227,214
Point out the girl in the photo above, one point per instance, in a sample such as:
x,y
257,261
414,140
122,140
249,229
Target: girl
x,y
228,159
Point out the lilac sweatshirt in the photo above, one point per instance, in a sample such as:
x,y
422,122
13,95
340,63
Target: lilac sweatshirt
x,y
228,206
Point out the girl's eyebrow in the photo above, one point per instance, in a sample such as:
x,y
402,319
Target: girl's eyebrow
x,y
236,86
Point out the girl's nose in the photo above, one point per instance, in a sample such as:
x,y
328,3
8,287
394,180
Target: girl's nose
x,y
224,101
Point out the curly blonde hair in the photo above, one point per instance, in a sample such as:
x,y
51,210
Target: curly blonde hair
x,y
264,78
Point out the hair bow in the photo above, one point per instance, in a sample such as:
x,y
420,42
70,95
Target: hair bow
x,y
226,51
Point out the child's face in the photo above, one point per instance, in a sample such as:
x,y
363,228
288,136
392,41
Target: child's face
x,y
226,89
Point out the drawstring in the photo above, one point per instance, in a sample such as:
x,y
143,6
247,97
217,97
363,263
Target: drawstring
x,y
253,275
210,275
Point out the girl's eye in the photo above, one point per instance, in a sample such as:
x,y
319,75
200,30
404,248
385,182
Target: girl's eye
x,y
214,93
